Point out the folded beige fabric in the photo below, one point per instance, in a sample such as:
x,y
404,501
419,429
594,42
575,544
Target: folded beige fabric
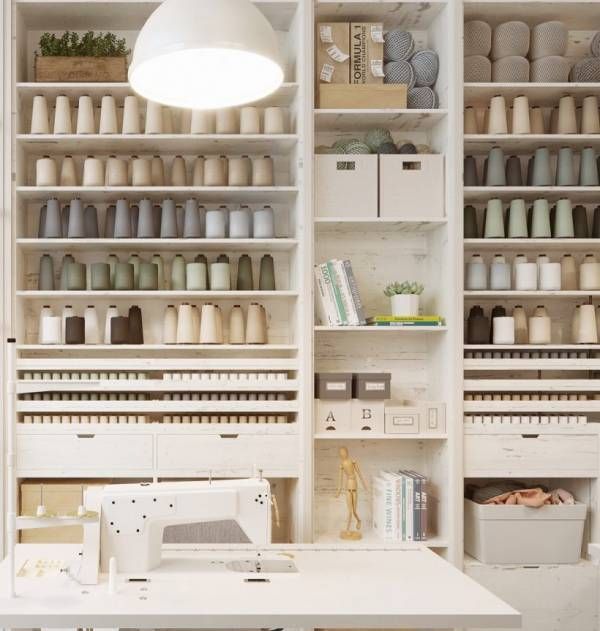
x,y
534,497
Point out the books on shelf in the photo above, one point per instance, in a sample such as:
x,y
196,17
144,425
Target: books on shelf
x,y
337,297
405,321
400,505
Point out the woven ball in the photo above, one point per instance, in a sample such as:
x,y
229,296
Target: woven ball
x,y
376,137
424,149
399,72
548,38
550,70
339,146
586,70
356,147
478,69
426,65
510,39
407,148
398,45
477,38
387,147
595,45
510,70
422,99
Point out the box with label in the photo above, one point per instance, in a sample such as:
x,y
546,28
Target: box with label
x,y
402,419
432,416
366,52
333,385
332,52
371,385
367,96
367,417
332,416
411,186
346,185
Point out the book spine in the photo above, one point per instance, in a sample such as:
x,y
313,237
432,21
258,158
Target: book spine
x,y
423,509
336,292
332,306
403,506
417,532
410,506
345,292
377,508
321,300
358,305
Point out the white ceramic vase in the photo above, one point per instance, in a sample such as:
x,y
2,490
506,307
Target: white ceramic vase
x,y
405,304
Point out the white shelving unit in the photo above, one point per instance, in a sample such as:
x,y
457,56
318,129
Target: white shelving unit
x,y
559,379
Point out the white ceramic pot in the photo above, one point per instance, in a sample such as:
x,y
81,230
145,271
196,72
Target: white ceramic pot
x,y
405,304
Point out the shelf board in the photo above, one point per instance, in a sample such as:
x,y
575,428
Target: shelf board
x,y
526,143
371,541
532,385
177,245
543,94
348,436
413,15
574,193
152,295
158,428
151,348
224,194
380,329
155,406
514,364
284,95
159,143
587,429
538,407
531,244
532,347
120,15
493,294
384,224
345,120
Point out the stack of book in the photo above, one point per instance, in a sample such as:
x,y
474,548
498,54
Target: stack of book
x,y
337,298
400,506
405,321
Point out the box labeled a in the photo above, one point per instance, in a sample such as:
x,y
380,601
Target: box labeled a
x,y
332,416
367,416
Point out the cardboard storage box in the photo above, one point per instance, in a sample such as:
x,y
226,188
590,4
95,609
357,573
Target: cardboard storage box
x,y
432,416
402,419
333,385
332,52
346,185
367,417
366,52
411,186
332,415
368,96
522,535
371,385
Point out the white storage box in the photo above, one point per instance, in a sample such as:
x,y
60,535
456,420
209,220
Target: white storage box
x,y
332,416
411,186
521,535
367,417
346,185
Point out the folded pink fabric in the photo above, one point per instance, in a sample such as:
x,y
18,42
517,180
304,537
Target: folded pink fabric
x,y
534,497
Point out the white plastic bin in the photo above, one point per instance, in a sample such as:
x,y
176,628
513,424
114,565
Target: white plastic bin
x,y
521,535
346,185
411,186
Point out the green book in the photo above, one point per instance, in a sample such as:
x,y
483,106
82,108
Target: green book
x,y
391,318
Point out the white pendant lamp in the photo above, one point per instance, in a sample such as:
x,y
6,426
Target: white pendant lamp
x,y
205,54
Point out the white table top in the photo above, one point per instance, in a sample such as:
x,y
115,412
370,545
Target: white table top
x,y
412,588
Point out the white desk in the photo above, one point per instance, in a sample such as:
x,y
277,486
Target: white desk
x,y
411,588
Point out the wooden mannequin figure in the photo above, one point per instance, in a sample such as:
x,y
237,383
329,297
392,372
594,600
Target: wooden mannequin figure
x,y
349,475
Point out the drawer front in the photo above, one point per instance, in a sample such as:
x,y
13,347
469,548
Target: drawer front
x,y
93,455
228,456
514,455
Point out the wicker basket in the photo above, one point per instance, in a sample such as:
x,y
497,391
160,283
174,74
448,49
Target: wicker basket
x,y
80,69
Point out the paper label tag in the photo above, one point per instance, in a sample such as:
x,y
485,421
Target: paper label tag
x,y
377,68
374,386
336,54
326,73
326,34
332,385
377,33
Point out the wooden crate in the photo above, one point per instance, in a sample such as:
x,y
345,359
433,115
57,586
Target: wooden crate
x,y
80,69
359,97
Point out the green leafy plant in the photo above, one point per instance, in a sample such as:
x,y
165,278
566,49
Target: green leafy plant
x,y
405,287
71,44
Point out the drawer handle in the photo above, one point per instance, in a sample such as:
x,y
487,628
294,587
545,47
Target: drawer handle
x,y
85,435
530,435
228,435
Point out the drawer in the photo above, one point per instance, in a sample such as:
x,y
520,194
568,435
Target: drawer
x,y
531,455
92,455
228,455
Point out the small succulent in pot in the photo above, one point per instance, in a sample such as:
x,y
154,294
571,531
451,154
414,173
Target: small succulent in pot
x,y
404,297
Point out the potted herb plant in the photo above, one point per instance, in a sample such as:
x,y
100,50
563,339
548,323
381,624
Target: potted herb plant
x,y
404,297
90,57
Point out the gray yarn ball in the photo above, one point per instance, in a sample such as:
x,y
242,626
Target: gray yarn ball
x,y
376,137
398,45
548,38
510,70
477,36
426,65
399,72
510,39
407,148
586,70
422,99
339,146
387,147
551,69
357,147
595,45
477,69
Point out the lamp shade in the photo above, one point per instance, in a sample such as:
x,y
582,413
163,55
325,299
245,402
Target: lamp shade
x,y
205,54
